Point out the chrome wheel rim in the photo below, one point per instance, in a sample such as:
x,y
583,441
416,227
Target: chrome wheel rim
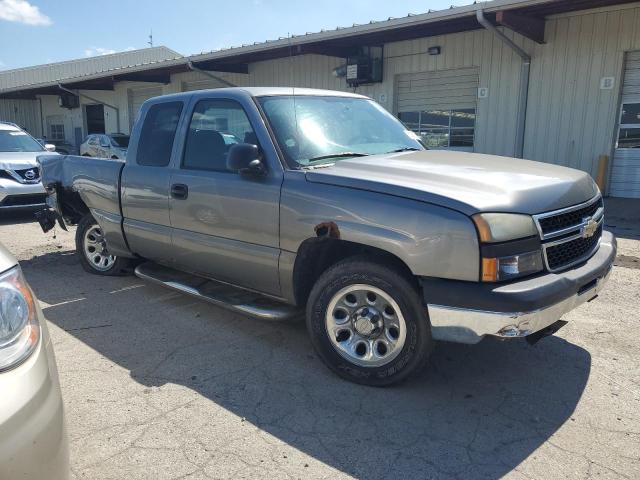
x,y
365,325
95,249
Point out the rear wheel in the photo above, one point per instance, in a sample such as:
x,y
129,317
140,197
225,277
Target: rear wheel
x,y
367,322
92,249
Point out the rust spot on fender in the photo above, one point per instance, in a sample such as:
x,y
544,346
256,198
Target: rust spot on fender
x,y
327,229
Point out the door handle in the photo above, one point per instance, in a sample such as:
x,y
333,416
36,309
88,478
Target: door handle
x,y
179,191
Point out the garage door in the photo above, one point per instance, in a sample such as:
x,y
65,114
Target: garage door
x,y
202,85
625,172
137,96
440,106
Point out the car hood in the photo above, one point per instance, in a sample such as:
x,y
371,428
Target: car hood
x,y
467,182
19,160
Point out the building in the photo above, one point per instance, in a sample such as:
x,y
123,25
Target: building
x,y
549,80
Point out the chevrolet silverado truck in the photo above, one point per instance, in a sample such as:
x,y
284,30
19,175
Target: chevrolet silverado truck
x,y
328,205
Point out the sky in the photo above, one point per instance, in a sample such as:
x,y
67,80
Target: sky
x,y
34,32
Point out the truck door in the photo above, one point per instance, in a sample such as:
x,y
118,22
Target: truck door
x,y
225,225
145,182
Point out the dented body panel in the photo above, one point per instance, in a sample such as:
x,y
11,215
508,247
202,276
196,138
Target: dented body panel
x,y
432,241
87,183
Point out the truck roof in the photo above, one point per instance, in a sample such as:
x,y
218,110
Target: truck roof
x,y
271,91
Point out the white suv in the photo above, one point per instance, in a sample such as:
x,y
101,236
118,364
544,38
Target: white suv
x,y
20,185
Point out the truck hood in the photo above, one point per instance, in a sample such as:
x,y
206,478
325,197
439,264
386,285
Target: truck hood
x,y
19,160
467,182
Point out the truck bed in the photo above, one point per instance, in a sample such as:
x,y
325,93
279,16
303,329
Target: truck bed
x,y
95,180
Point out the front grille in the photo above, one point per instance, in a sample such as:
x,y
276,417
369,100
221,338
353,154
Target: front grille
x,y
568,219
571,252
572,234
22,200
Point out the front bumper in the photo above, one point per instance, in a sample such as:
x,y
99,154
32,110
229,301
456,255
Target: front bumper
x,y
465,312
14,195
33,437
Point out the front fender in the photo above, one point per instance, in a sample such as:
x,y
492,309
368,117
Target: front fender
x,y
432,241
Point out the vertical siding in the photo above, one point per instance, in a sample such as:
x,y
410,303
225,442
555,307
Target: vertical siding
x,y
25,113
570,120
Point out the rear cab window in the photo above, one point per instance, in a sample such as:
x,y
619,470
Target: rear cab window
x,y
158,134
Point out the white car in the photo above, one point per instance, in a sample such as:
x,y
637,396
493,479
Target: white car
x,y
20,184
113,145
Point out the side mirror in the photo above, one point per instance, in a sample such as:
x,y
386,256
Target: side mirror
x,y
49,147
245,158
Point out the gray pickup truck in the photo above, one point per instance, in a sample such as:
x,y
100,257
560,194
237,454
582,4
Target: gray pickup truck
x,y
270,201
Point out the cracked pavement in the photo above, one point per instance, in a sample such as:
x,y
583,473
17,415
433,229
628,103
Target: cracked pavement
x,y
158,385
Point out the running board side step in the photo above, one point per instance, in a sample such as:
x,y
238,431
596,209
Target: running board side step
x,y
221,294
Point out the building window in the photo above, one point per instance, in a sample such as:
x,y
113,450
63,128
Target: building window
x,y
629,133
56,132
443,128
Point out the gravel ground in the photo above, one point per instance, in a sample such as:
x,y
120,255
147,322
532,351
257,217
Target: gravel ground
x,y
160,386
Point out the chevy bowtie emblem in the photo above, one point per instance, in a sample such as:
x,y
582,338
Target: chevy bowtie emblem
x,y
590,228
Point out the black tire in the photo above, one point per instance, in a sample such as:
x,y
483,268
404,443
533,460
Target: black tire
x,y
121,266
367,270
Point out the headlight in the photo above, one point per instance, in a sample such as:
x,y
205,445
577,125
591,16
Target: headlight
x,y
513,266
502,227
19,329
510,246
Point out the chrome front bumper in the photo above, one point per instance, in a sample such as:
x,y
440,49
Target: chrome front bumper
x,y
465,324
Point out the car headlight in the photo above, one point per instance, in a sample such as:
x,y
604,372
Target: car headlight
x,y
510,246
19,329
502,227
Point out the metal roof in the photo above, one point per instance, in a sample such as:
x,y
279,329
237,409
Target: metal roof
x,y
339,42
55,72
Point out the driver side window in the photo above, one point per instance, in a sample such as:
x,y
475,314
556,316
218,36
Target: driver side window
x,y
216,125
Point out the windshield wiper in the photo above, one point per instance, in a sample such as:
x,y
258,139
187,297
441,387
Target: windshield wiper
x,y
405,149
337,155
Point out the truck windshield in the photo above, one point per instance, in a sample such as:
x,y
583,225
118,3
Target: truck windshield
x,y
312,130
18,141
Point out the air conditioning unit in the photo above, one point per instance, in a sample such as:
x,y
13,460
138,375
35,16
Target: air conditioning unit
x,y
365,66
69,101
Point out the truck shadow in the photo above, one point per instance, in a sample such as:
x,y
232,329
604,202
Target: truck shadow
x,y
475,412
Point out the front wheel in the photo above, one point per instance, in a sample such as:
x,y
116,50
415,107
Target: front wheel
x,y
367,322
92,250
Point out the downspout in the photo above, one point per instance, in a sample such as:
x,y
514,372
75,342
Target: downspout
x,y
525,70
42,131
193,68
78,94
